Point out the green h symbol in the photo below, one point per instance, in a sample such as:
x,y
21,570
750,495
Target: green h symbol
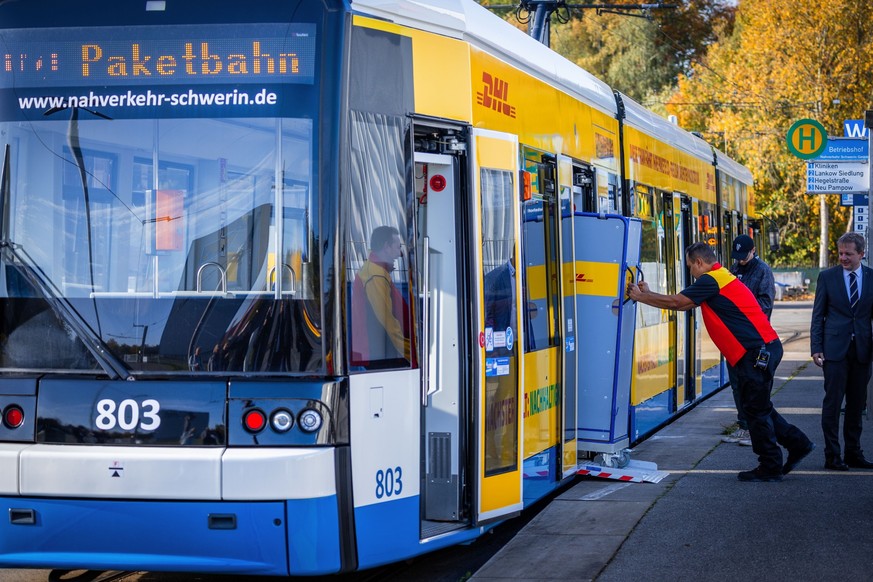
x,y
802,138
807,138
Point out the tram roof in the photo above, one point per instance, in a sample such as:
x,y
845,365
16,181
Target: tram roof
x,y
653,124
650,123
467,20
733,168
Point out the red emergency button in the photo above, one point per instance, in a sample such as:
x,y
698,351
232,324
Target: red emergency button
x,y
437,183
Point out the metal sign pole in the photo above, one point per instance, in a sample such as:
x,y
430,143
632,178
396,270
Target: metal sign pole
x,y
868,123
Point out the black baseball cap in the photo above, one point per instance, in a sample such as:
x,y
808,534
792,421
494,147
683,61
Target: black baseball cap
x,y
741,247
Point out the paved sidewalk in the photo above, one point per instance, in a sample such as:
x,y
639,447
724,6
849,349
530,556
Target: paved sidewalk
x,y
701,523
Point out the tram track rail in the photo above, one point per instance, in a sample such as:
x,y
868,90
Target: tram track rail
x,y
90,575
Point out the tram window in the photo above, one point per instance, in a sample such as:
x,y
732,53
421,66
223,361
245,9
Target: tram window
x,y
99,171
539,242
377,231
707,226
652,251
501,321
161,234
614,194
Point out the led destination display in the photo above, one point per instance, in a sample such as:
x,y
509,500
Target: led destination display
x,y
136,55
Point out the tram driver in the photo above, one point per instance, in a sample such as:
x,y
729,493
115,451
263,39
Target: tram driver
x,y
380,314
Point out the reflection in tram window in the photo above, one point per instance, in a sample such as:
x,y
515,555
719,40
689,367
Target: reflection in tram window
x,y
540,274
162,236
501,351
652,252
379,278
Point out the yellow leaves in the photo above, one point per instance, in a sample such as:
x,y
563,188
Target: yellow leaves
x,y
786,60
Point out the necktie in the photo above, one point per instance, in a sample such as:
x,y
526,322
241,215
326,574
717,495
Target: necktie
x,y
853,289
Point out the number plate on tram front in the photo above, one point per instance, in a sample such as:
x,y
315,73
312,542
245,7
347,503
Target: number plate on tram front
x,y
73,411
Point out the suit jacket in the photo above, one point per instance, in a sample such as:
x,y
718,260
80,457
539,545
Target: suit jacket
x,y
834,323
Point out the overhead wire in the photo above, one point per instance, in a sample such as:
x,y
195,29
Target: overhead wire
x,y
761,102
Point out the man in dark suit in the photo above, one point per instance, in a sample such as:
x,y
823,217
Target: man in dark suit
x,y
841,342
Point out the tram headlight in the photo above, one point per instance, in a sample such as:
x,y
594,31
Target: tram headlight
x,y
309,420
282,420
13,416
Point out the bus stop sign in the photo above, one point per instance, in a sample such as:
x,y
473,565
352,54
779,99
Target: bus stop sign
x,y
807,139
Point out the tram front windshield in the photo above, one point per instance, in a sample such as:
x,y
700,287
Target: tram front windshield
x,y
166,225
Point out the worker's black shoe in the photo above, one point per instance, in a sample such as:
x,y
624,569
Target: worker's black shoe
x,y
759,474
794,457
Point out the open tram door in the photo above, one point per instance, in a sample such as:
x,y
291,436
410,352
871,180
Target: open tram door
x,y
439,219
677,228
496,405
686,332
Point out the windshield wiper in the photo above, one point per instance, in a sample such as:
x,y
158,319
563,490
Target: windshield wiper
x,y
53,110
15,255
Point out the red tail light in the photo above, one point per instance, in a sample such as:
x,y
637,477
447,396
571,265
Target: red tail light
x,y
13,416
254,420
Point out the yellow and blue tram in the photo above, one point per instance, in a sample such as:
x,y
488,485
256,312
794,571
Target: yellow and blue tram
x,y
195,372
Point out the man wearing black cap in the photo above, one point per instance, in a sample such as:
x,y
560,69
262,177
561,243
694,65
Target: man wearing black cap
x,y
753,272
757,276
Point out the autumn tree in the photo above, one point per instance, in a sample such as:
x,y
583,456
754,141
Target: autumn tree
x,y
639,53
785,60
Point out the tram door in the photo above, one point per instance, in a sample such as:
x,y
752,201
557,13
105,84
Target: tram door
x,y
730,229
667,224
542,321
496,277
574,183
686,232
443,404
678,230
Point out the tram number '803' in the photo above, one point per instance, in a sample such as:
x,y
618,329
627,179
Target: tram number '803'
x,y
128,414
389,482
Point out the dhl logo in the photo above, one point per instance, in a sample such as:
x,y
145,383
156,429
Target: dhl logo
x,y
495,95
594,278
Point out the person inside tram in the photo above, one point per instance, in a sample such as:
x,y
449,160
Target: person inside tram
x,y
500,296
380,314
216,360
195,361
500,304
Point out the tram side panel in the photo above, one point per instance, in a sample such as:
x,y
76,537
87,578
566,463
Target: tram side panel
x,y
377,186
657,170
549,124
